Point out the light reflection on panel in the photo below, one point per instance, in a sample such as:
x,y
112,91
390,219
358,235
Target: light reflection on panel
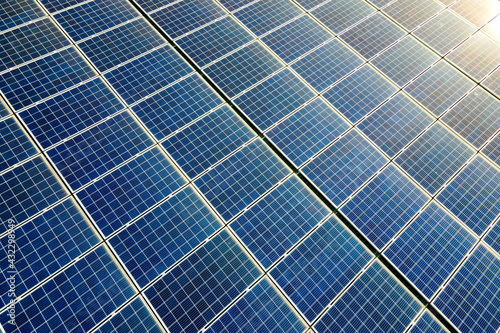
x,y
412,13
339,15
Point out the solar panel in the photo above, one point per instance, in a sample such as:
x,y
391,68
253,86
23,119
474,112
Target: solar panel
x,y
310,4
342,14
15,145
412,13
427,324
492,149
3,110
153,5
492,238
233,5
492,82
58,5
477,12
16,12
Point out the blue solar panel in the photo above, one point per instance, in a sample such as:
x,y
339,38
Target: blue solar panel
x,y
47,76
234,4
341,14
3,110
307,131
235,183
412,13
492,82
310,4
343,167
434,157
474,195
76,299
145,75
275,223
385,205
492,149
98,150
317,271
208,141
200,287
46,244
150,5
261,310
395,124
214,41
57,5
16,12
430,249
359,93
376,302
128,191
471,300
326,65
274,98
243,69
296,38
427,324
160,238
493,237
176,106
15,145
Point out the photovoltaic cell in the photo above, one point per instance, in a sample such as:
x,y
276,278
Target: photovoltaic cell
x,y
128,191
234,4
359,93
384,206
492,149
343,167
38,80
176,106
242,178
326,65
16,12
76,299
434,157
474,195
430,249
427,324
477,11
261,310
57,5
160,238
15,145
207,141
375,302
200,287
492,82
493,237
341,14
279,220
307,131
309,4
471,299
145,75
411,13
3,110
150,5
317,271
274,98
46,244
380,3
98,150
395,124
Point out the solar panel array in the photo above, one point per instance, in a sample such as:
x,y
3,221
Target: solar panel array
x,y
257,166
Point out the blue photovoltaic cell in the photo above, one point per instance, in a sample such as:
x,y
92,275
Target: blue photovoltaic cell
x,y
214,41
427,324
373,35
128,191
307,131
359,93
118,45
29,42
207,141
376,302
279,220
135,317
405,60
242,178
234,4
326,65
265,15
76,299
184,16
310,4
46,244
474,195
150,5
27,190
476,117
261,310
493,237
202,285
471,300
94,17
145,75
47,76
430,249
176,106
160,238
385,205
434,157
16,12
3,110
492,149
315,272
64,115
274,98
296,38
243,69
98,150
412,13
395,124
15,145
57,5
339,15
439,87
343,167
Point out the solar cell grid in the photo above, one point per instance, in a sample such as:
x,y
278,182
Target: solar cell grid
x,y
492,82
492,149
477,11
3,110
427,324
151,5
309,4
492,29
15,145
232,5
57,5
411,13
492,238
339,15
16,12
